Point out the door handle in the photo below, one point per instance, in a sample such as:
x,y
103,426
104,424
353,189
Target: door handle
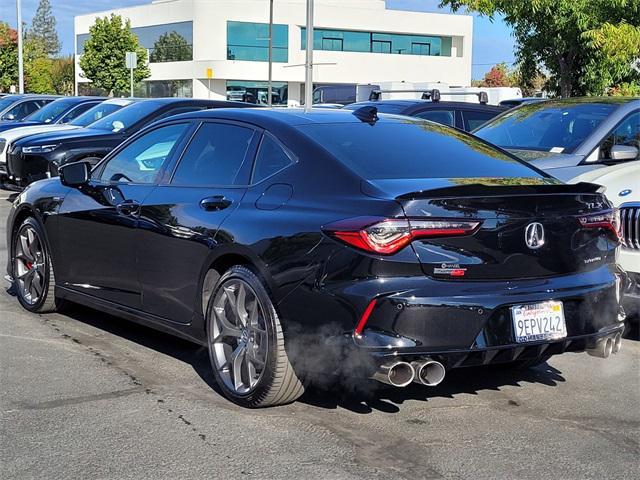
x,y
128,207
215,203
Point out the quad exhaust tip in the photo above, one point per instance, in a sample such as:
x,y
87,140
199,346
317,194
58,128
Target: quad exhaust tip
x,y
428,372
397,374
606,346
400,374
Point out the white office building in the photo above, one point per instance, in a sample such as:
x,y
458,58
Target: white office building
x,y
355,41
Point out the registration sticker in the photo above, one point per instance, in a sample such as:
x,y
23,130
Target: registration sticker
x,y
538,321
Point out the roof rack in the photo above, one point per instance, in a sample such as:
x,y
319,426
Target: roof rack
x,y
433,95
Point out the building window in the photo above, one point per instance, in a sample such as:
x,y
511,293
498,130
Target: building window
x,y
170,42
164,88
250,41
419,48
378,42
257,92
381,46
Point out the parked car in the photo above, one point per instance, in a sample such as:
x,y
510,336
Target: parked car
x,y
568,137
90,116
516,102
623,190
39,156
463,115
60,111
248,230
14,108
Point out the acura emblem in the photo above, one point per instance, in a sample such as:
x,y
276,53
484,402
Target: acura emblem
x,y
534,235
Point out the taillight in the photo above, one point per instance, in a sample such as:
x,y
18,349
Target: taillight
x,y
388,236
609,220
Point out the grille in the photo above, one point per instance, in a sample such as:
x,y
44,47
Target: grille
x,y
630,225
3,142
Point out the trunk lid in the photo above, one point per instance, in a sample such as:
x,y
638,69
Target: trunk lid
x,y
531,227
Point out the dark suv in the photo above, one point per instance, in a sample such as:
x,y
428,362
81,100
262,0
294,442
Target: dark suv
x,y
463,115
39,156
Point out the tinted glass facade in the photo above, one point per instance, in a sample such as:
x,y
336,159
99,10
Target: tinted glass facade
x,y
257,92
171,42
250,41
376,42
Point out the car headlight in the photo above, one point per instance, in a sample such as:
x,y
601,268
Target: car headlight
x,y
40,148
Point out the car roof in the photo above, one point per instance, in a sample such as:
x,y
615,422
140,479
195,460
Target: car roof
x,y
78,100
36,96
285,116
586,100
409,103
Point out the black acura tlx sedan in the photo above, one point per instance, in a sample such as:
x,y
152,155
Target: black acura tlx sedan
x,y
283,240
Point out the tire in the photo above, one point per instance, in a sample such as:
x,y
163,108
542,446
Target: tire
x,y
246,343
32,269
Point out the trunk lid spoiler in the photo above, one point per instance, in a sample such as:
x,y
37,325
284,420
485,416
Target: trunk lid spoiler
x,y
422,188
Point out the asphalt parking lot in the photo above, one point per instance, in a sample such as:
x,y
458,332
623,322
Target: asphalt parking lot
x,y
86,395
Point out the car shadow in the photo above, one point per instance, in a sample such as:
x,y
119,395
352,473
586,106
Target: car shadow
x,y
329,392
365,396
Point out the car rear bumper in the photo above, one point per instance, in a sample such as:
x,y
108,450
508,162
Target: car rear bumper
x,y
469,323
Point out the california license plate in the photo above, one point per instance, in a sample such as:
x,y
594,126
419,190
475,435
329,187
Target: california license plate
x,y
538,321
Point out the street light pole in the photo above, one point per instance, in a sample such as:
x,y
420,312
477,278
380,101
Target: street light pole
x,y
308,77
20,64
270,87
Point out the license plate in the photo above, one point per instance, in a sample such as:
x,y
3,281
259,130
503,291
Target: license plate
x,y
538,321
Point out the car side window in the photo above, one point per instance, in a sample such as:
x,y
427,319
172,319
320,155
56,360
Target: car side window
x,y
626,134
214,156
21,110
445,117
142,159
271,159
472,119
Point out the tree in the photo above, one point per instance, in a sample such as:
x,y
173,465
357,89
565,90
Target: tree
x,y
62,75
8,57
498,76
37,67
43,28
103,61
615,49
550,34
171,47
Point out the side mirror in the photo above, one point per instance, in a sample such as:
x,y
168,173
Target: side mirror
x,y
623,152
75,174
9,116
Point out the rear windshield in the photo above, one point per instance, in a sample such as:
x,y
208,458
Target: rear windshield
x,y
548,127
127,116
413,148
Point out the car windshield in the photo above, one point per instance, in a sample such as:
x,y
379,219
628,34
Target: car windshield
x,y
51,111
96,113
548,127
125,117
413,148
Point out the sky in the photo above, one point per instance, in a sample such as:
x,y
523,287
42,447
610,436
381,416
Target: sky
x,y
492,41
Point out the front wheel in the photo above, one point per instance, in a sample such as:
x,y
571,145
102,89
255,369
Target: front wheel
x,y
246,343
33,275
